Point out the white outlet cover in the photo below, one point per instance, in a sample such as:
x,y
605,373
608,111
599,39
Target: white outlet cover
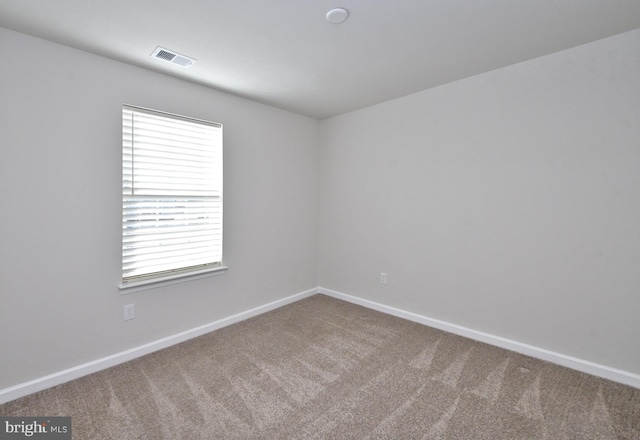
x,y
129,312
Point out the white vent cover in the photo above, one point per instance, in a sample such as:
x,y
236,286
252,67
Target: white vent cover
x,y
172,57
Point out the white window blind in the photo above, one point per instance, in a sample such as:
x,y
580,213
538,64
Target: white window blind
x,y
171,194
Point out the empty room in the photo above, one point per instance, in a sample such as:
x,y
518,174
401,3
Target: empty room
x,y
320,219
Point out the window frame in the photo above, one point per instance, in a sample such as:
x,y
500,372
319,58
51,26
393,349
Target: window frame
x,y
182,273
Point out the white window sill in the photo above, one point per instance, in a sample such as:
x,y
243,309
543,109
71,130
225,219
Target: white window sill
x,y
137,286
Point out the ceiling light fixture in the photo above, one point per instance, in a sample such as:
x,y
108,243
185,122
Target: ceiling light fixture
x,y
337,16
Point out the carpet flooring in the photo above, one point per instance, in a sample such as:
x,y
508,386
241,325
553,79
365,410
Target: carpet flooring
x,y
322,368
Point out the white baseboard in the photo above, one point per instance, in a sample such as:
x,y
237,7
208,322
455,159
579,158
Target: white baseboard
x,y
584,366
76,372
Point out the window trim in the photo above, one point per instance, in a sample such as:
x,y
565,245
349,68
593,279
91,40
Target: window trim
x,y
182,277
183,274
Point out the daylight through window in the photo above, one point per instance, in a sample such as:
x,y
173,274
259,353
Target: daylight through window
x,y
171,195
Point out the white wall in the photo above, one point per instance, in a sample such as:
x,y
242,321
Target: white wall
x,y
60,171
507,203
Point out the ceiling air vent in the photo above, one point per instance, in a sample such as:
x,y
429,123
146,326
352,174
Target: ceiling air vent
x,y
172,57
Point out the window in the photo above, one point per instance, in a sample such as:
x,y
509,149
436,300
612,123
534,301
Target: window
x,y
171,196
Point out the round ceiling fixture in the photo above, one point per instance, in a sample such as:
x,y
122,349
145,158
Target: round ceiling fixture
x,y
337,16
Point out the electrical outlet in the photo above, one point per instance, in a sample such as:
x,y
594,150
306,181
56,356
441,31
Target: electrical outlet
x,y
129,312
383,278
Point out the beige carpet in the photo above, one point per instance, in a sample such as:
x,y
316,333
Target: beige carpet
x,y
326,369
